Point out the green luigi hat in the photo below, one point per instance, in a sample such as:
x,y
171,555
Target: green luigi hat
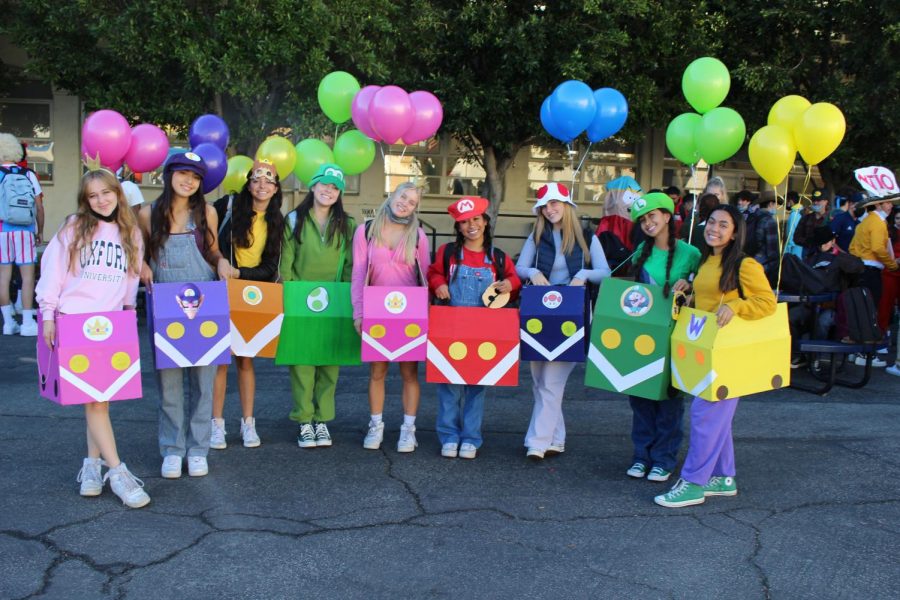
x,y
651,201
329,173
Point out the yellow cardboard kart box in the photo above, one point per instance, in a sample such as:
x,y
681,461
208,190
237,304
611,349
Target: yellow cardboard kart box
x,y
742,358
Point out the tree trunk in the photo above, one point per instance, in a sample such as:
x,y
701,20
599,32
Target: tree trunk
x,y
495,178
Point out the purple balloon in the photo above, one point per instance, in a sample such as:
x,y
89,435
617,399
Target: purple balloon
x,y
208,129
149,148
390,113
216,165
108,134
359,111
612,111
427,117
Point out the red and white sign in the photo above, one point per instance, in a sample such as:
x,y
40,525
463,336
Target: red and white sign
x,y
878,181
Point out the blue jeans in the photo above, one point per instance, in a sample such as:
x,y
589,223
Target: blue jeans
x,y
176,437
460,412
656,430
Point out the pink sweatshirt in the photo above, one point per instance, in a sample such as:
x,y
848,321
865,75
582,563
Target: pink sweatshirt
x,y
388,267
100,280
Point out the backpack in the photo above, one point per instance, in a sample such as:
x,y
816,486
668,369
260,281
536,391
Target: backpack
x,y
855,319
797,277
16,196
752,242
615,251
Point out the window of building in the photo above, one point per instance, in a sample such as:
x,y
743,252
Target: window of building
x,y
437,164
30,121
605,161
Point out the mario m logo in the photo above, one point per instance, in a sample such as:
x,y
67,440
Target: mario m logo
x,y
695,327
465,205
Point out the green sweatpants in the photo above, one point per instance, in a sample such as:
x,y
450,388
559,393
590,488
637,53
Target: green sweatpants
x,y
313,389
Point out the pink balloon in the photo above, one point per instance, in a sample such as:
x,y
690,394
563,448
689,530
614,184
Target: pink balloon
x,y
428,114
390,113
106,132
359,111
149,148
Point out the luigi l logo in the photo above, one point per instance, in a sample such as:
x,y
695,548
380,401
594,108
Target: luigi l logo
x,y
638,204
465,205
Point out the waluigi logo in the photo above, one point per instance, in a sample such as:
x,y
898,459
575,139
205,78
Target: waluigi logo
x,y
695,327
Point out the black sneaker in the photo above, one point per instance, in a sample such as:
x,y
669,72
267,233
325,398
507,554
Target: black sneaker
x,y
798,361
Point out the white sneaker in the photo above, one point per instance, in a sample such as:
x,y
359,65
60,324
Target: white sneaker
x,y
306,438
894,370
468,450
217,436
555,449
10,328
89,477
323,437
197,466
28,328
450,450
535,454
127,487
375,436
171,467
407,441
876,362
17,307
248,432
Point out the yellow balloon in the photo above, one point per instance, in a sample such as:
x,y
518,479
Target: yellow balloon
x,y
786,112
236,175
772,153
819,132
281,152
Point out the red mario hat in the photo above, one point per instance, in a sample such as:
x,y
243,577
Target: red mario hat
x,y
468,207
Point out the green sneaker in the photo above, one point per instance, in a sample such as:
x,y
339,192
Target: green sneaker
x,y
683,493
720,486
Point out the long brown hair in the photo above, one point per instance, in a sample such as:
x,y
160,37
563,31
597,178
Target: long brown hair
x,y
160,217
570,232
732,254
84,223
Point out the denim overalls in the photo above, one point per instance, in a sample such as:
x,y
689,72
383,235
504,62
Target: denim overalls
x,y
180,260
461,407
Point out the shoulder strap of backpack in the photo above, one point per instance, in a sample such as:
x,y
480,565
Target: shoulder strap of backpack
x,y
499,258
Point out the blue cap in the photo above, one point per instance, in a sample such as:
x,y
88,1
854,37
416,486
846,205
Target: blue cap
x,y
186,161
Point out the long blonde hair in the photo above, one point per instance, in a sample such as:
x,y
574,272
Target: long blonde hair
x,y
410,240
570,231
84,224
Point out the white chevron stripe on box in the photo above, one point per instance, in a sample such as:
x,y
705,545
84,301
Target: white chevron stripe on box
x,y
181,360
259,341
443,365
399,351
113,388
501,368
624,382
701,385
551,354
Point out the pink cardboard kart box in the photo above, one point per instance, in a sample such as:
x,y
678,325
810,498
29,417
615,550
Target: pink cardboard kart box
x,y
96,358
395,323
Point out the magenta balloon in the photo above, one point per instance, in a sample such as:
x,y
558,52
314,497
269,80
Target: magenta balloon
x,y
149,148
108,133
390,113
427,116
359,111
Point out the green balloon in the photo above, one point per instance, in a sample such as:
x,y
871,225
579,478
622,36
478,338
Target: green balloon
x,y
236,174
705,83
680,138
311,154
354,152
336,92
720,134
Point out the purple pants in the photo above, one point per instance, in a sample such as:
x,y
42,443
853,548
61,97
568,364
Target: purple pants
x,y
711,450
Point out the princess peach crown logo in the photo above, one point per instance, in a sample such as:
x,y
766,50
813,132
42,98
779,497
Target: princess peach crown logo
x,y
98,328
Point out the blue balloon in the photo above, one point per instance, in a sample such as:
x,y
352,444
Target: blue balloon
x,y
209,129
612,111
216,165
548,122
573,107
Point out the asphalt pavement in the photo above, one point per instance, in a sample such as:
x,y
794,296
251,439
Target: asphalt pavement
x,y
817,514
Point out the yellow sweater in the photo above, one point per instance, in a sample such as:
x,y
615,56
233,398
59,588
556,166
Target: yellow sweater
x,y
758,300
870,242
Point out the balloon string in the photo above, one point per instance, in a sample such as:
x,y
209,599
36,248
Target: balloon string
x,y
694,207
403,153
336,126
781,241
806,180
575,173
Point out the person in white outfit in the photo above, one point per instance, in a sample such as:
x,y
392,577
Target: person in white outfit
x,y
557,252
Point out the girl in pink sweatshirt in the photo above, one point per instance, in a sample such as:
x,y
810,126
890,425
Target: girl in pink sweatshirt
x,y
92,264
390,250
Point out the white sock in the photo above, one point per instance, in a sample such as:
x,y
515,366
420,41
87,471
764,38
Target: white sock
x,y
409,420
28,315
219,422
376,419
7,313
